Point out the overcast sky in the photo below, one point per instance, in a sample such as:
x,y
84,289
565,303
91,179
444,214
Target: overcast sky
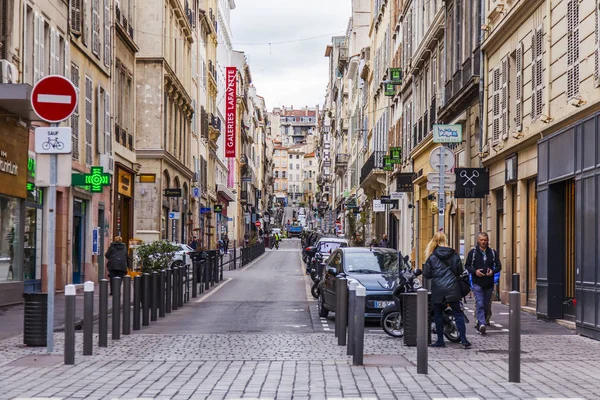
x,y
288,73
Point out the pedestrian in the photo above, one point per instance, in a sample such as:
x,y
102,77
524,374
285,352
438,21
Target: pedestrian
x,y
226,243
384,241
118,261
482,263
373,243
194,243
443,267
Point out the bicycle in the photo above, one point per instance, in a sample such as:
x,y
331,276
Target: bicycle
x,y
54,142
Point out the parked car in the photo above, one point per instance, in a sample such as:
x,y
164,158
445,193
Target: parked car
x,y
327,244
184,249
376,269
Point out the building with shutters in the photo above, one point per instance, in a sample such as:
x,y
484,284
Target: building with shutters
x,y
542,92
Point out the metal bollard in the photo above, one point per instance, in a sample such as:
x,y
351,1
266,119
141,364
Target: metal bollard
x,y
146,299
221,273
338,294
137,301
116,309
103,320
70,296
516,282
207,274
359,325
153,296
234,256
175,301
161,293
352,284
194,279
169,293
126,305
514,337
422,331
180,294
342,311
187,283
88,318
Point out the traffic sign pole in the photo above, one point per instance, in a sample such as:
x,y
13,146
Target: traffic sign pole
x,y
441,193
50,249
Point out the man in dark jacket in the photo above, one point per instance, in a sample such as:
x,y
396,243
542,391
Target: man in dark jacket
x,y
117,260
384,241
482,263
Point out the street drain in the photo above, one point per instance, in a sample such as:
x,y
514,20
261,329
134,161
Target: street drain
x,y
497,351
376,360
39,361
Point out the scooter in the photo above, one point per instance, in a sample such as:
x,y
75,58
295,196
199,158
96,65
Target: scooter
x,y
450,328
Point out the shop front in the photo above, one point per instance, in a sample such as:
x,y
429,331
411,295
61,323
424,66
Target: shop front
x,y
33,250
568,225
124,211
14,142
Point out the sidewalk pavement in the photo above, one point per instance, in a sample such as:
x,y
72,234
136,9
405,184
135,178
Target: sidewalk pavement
x,y
12,316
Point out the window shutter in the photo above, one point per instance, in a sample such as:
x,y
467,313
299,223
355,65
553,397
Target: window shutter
x,y
84,23
539,69
75,10
572,49
53,66
95,28
533,76
597,44
75,115
89,103
519,88
496,105
57,51
42,47
99,121
36,47
107,124
107,40
67,57
505,96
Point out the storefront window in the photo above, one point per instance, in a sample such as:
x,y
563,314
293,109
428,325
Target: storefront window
x,y
10,268
33,235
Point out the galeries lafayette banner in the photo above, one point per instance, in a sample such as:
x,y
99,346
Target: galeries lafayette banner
x,y
230,111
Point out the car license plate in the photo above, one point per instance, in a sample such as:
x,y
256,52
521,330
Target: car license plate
x,y
382,304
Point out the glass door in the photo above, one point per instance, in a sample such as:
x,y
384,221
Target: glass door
x,y
570,302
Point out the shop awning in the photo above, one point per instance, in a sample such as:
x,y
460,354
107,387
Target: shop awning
x,y
225,192
16,99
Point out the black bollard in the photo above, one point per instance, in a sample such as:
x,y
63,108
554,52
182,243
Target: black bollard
x,y
169,291
221,270
342,311
207,274
146,299
187,283
516,284
175,303
103,319
194,280
514,337
137,301
153,296
180,288
126,305
70,296
116,309
359,325
161,293
88,318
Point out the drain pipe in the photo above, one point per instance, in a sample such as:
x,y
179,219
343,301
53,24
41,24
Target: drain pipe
x,y
481,100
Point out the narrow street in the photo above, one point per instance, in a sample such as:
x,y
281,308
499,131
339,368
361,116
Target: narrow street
x,y
257,335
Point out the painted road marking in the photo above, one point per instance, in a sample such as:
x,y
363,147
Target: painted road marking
x,y
498,325
214,291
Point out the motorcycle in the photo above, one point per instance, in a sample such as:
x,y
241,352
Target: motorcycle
x,y
391,317
450,328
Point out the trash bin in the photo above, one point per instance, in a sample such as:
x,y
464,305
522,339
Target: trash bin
x,y
35,314
409,313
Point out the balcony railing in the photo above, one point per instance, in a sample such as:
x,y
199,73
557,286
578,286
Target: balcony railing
x,y
374,162
457,81
342,158
432,113
447,92
467,71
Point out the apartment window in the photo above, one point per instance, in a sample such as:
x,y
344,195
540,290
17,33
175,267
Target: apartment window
x,y
518,101
572,49
537,71
298,166
458,35
291,156
297,156
75,115
89,104
291,166
107,41
496,110
103,137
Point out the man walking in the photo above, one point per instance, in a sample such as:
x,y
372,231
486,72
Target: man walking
x,y
482,263
384,241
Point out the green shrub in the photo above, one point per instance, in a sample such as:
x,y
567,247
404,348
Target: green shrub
x,y
155,256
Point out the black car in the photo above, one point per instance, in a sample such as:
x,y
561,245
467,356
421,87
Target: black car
x,y
376,269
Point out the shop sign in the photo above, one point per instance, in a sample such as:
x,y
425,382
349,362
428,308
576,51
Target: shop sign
x,y
378,206
218,208
396,155
124,186
204,210
13,158
96,241
447,133
472,183
95,180
404,182
174,215
390,89
387,164
172,192
230,110
396,76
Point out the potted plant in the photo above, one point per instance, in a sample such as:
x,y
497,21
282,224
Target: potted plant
x,y
155,256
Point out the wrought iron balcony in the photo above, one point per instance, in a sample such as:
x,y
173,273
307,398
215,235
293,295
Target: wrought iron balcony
x,y
341,162
373,163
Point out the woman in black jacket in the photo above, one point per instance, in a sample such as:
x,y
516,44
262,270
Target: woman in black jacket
x,y
443,267
118,261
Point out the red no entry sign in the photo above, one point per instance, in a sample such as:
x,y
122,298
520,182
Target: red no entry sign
x,y
54,98
257,223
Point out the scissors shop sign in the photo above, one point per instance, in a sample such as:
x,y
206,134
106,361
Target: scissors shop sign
x,y
472,183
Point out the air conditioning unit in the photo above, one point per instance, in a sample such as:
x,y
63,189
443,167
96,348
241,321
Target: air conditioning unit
x,y
8,72
107,162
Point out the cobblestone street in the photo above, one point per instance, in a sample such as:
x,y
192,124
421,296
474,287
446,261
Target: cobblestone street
x,y
283,364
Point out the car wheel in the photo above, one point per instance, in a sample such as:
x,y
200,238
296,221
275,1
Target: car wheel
x,y
178,263
323,312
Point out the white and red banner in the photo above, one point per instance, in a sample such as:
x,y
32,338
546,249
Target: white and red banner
x,y
230,111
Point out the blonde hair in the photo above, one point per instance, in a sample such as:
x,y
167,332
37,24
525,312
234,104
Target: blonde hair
x,y
118,239
439,239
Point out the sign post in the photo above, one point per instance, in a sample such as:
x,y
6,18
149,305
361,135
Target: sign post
x,y
441,160
53,99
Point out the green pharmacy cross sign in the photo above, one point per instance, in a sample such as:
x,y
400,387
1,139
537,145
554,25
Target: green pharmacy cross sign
x,y
387,164
96,179
396,155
